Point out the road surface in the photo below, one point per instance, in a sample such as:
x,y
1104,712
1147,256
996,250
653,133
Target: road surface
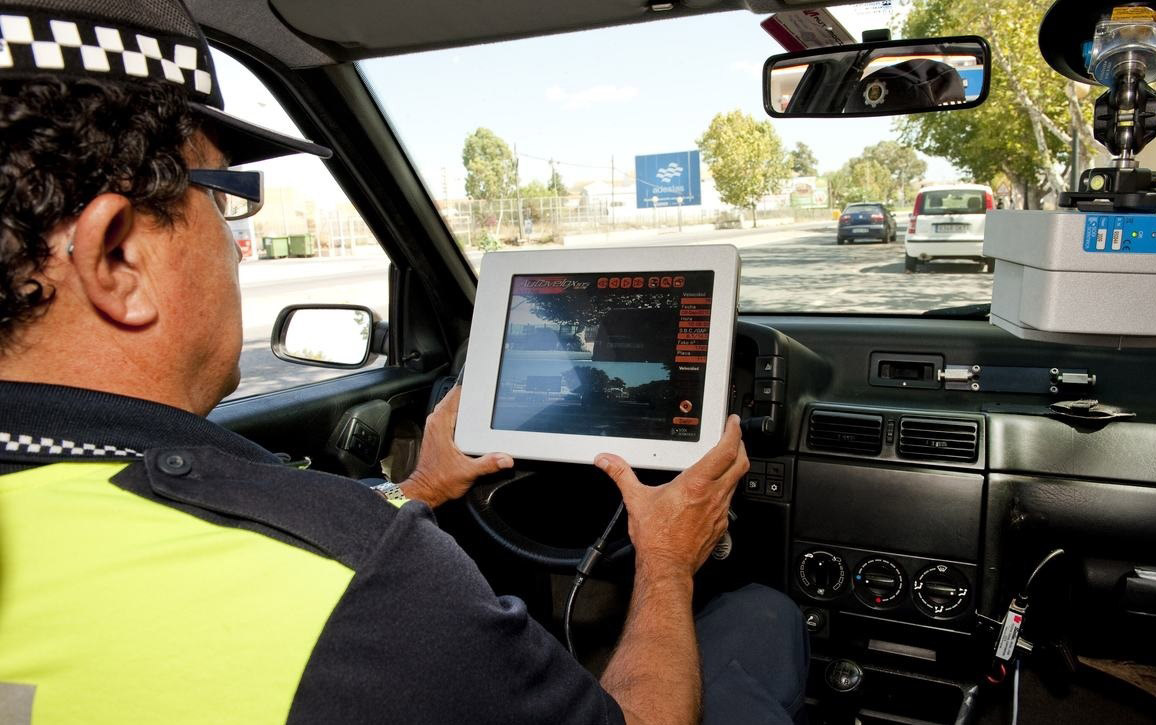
x,y
784,269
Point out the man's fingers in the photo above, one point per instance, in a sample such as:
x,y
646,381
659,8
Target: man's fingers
x,y
735,472
619,471
491,463
448,406
720,458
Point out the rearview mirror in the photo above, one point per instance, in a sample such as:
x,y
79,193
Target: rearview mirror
x,y
878,79
329,336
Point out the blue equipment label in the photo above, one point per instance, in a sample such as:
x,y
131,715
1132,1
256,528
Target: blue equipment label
x,y
1120,234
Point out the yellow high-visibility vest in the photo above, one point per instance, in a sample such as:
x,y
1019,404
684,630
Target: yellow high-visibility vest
x,y
118,609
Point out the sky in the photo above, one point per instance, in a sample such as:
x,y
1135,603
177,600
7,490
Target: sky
x,y
583,99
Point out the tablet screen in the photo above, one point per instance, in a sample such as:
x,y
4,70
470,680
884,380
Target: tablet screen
x,y
594,354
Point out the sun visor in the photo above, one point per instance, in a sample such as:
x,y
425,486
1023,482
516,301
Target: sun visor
x,y
357,29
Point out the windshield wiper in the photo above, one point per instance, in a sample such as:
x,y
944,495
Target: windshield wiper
x,y
963,312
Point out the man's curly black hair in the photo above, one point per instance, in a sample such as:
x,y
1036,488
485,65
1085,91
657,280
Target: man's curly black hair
x,y
62,143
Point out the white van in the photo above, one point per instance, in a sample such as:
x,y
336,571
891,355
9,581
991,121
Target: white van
x,y
947,223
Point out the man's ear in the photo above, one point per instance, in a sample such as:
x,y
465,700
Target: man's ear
x,y
108,262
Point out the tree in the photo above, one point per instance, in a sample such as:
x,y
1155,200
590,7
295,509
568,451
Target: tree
x,y
1025,129
883,172
583,311
902,163
745,158
860,179
489,166
530,194
534,190
591,382
802,160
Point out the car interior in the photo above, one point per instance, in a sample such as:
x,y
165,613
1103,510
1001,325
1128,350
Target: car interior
x,y
917,482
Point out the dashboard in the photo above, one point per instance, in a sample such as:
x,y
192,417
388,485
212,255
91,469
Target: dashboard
x,y
909,474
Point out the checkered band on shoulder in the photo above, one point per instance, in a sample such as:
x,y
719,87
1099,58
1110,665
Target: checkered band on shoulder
x,y
15,443
36,44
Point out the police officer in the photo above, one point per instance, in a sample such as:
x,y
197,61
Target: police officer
x,y
155,567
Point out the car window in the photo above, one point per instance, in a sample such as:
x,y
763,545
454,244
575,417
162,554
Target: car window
x,y
963,201
655,133
308,244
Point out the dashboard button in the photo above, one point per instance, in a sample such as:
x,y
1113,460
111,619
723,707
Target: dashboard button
x,y
774,487
822,574
771,366
941,591
879,582
815,619
754,483
758,466
776,469
770,390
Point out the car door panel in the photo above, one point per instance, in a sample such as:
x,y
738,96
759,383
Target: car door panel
x,y
301,421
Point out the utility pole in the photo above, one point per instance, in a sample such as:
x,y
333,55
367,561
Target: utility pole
x,y
518,194
554,183
612,192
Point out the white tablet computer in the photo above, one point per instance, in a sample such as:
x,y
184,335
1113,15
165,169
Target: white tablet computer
x,y
623,350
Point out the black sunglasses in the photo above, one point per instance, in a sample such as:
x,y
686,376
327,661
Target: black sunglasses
x,y
237,193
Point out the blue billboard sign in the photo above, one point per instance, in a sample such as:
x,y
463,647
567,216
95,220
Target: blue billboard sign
x,y
667,179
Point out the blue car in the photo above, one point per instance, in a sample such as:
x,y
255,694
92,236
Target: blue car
x,y
865,220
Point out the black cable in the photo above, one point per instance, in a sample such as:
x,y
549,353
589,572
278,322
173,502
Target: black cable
x,y
593,554
1038,569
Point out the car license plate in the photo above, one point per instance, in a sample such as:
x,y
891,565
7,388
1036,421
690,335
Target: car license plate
x,y
950,228
859,230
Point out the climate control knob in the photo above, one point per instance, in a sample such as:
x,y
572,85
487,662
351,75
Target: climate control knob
x,y
822,574
879,583
941,591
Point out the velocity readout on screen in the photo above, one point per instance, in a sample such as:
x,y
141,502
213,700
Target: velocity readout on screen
x,y
620,355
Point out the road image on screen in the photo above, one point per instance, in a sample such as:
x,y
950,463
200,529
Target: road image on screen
x,y
620,355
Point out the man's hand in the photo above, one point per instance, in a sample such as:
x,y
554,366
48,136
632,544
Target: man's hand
x,y
675,526
443,472
654,674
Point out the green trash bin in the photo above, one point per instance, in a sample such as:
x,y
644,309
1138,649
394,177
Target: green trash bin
x,y
301,245
274,247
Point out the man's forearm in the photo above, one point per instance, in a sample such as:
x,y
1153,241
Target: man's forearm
x,y
654,674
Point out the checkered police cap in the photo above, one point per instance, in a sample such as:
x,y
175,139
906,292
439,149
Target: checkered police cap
x,y
129,41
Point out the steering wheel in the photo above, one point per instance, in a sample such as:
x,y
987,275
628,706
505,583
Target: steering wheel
x,y
484,504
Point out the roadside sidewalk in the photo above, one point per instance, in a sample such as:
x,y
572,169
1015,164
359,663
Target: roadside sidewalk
x,y
265,271
766,233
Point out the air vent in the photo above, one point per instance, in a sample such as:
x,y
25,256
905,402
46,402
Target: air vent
x,y
938,439
845,432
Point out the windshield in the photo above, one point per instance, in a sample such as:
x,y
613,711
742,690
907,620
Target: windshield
x,y
655,133
966,201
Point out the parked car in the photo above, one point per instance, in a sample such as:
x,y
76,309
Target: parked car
x,y
947,223
866,220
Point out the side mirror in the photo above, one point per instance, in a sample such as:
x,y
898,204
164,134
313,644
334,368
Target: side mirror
x,y
878,79
328,336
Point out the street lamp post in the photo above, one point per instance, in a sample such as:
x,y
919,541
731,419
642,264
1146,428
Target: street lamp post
x,y
679,199
654,205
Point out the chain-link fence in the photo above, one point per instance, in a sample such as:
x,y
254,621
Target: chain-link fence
x,y
485,224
